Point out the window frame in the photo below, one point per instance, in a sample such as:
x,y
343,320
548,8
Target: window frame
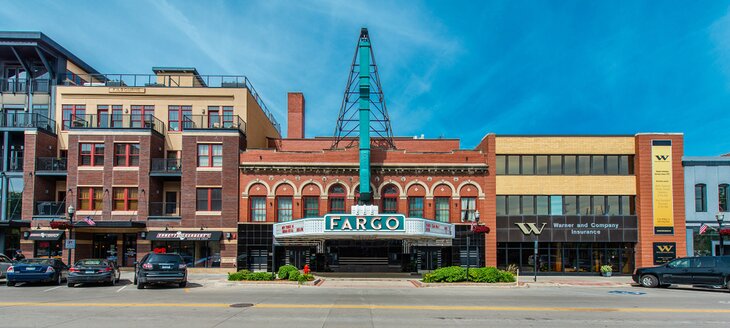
x,y
702,205
282,212
209,200
182,111
442,214
93,156
470,213
91,202
255,212
73,111
413,203
210,157
127,199
126,155
336,196
723,188
310,211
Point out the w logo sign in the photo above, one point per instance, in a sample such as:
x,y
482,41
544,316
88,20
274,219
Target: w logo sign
x,y
662,157
664,248
530,228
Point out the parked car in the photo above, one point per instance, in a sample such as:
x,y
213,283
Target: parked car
x,y
697,271
5,263
93,271
37,270
157,268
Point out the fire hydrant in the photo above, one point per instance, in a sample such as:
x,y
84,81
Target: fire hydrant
x,y
306,269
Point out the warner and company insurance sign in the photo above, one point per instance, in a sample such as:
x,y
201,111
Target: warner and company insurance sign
x,y
567,228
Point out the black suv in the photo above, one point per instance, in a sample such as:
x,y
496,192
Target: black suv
x,y
698,271
161,269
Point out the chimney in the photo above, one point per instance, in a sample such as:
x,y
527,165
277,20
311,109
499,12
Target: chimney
x,y
295,123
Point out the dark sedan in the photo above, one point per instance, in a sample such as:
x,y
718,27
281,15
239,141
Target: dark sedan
x,y
161,269
697,271
93,271
37,270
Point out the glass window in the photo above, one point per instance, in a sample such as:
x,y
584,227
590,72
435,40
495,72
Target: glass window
x,y
90,199
91,154
177,117
311,206
283,209
570,205
598,165
415,207
584,165
570,165
73,116
543,206
556,205
599,205
705,262
700,198
612,165
613,205
390,199
501,164
528,205
468,208
584,205
124,199
210,155
209,199
626,165
126,154
541,165
337,199
513,164
723,196
501,205
556,165
528,164
680,263
513,205
442,209
258,209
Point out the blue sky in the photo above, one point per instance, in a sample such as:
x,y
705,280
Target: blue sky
x,y
449,68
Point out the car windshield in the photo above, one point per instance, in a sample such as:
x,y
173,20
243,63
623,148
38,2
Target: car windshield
x,y
37,261
91,262
164,258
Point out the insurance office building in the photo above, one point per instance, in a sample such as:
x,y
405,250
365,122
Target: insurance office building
x,y
588,200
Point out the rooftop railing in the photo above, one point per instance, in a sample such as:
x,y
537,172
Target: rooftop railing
x,y
172,81
114,121
166,165
22,85
205,122
22,119
51,164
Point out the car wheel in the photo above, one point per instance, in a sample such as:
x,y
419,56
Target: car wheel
x,y
70,284
140,286
10,284
183,284
58,280
649,281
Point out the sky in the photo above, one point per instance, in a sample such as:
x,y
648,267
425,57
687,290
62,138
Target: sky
x,y
452,69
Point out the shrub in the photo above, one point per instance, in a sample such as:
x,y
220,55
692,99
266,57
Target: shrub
x,y
238,276
305,277
457,274
261,276
606,268
285,270
447,274
294,276
248,275
486,274
512,268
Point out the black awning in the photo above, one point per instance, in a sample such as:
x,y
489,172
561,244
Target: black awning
x,y
111,224
46,235
15,224
185,235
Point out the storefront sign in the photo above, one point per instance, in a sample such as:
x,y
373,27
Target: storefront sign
x,y
567,228
438,228
662,194
127,90
45,235
371,223
664,252
184,235
293,227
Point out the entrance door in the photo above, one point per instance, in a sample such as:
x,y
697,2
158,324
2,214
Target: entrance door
x,y
130,249
428,258
105,246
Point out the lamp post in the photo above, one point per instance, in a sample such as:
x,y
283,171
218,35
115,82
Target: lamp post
x,y
71,211
720,217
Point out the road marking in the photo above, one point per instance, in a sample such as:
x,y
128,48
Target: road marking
x,y
376,307
187,290
50,289
120,289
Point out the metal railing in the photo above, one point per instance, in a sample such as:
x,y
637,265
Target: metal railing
x,y
166,165
15,164
21,85
49,208
50,164
171,81
162,209
115,121
23,119
193,122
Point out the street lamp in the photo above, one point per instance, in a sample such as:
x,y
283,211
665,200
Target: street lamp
x,y
71,211
720,217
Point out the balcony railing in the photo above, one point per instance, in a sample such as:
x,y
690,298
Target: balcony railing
x,y
23,119
206,122
166,165
21,85
50,164
164,209
15,164
115,121
49,208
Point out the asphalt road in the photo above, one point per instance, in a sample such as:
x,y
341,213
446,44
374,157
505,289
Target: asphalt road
x,y
206,303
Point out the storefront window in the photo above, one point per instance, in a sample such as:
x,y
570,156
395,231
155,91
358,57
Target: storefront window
x,y
199,254
570,205
599,205
567,257
584,205
15,198
46,248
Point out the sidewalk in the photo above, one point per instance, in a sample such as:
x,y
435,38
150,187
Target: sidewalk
x,y
584,281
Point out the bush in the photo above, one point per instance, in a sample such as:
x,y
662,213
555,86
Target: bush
x,y
447,274
457,274
294,276
286,270
248,275
305,277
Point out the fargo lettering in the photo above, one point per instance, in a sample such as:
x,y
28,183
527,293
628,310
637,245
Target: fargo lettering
x,y
371,223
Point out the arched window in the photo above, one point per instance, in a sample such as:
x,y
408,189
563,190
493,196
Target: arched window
x,y
700,197
723,193
390,199
336,199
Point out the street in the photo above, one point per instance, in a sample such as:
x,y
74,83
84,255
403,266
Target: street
x,y
392,303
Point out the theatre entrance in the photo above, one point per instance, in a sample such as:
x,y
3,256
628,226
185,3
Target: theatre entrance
x,y
366,255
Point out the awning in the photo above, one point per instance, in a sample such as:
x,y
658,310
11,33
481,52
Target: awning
x,y
46,234
379,226
185,235
111,224
15,224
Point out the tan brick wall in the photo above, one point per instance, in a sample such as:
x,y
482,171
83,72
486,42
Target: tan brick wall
x,y
568,145
565,185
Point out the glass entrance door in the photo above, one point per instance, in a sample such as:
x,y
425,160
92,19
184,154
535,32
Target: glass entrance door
x,y
130,249
105,246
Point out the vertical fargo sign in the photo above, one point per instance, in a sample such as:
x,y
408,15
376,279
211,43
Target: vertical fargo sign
x,y
662,193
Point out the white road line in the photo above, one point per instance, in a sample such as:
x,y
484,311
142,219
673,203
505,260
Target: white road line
x,y
120,289
50,289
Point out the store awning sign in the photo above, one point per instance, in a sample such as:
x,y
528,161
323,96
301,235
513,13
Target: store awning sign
x,y
45,235
364,223
184,235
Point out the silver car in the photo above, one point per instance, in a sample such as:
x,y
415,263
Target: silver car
x,y
5,263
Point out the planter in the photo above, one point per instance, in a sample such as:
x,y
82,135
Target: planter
x,y
606,274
